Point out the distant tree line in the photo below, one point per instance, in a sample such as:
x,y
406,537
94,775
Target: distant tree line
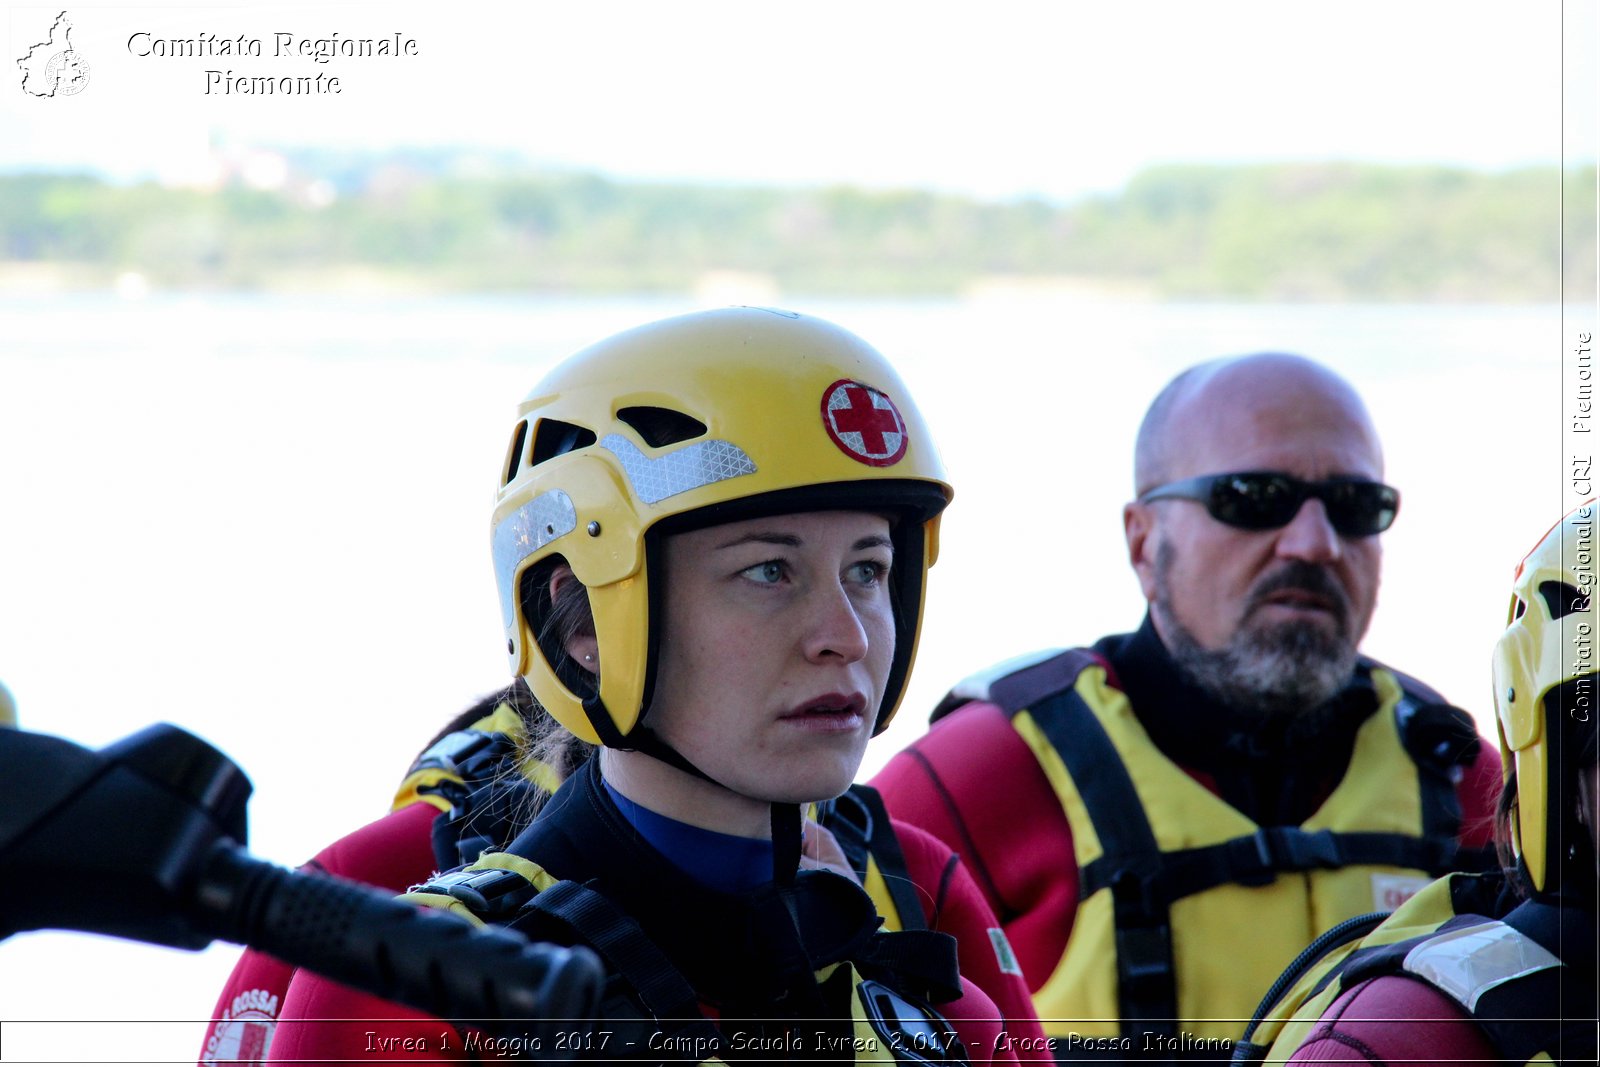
x,y
1334,231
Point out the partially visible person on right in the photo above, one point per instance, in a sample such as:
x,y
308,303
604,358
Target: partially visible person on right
x,y
1497,968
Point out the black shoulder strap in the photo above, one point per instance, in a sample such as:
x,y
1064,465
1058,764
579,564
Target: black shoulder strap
x,y
1058,674
920,960
1442,740
661,988
860,823
1131,862
1017,682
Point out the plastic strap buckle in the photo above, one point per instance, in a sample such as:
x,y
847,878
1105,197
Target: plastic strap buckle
x,y
450,750
1288,848
487,893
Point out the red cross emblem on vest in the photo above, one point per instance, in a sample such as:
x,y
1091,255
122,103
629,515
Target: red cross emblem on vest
x,y
864,423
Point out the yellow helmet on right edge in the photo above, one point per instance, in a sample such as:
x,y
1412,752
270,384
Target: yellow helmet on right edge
x,y
1544,675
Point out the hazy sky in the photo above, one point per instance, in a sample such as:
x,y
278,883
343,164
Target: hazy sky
x,y
998,98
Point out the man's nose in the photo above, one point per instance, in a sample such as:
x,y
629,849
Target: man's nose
x,y
1310,536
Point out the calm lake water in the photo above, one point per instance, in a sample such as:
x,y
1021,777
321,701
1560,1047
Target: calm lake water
x,y
266,519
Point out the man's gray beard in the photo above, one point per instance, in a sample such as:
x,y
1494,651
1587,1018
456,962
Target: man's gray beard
x,y
1290,668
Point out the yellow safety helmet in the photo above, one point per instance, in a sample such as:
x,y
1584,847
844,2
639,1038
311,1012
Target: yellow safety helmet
x,y
8,707
1544,675
687,422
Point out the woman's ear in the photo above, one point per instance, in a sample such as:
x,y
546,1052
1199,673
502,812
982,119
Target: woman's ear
x,y
583,647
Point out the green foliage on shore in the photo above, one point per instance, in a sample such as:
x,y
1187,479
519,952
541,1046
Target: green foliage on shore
x,y
1334,231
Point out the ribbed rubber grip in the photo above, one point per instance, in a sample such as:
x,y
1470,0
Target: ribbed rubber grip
x,y
365,938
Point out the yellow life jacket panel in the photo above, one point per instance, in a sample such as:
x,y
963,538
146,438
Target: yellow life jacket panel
x,y
1171,879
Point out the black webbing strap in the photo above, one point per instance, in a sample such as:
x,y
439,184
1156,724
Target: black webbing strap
x,y
923,960
1428,733
1130,864
849,821
885,849
662,989
778,912
1442,741
1256,859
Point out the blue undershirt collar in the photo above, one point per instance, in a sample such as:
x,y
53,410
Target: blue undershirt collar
x,y
716,860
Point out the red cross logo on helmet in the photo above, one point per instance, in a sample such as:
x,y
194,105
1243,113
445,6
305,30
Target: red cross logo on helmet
x,y
864,423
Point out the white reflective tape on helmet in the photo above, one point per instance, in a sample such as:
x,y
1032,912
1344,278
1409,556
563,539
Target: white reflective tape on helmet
x,y
525,531
691,467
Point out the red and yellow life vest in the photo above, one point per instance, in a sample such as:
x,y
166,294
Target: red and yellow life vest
x,y
1187,909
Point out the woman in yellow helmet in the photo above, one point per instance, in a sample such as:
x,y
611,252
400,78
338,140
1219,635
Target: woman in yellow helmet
x,y
711,539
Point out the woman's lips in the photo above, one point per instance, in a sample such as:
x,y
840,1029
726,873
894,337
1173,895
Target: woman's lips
x,y
829,713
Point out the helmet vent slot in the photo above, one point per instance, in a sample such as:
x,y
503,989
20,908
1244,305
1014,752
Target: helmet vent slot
x,y
555,438
514,455
660,427
1562,598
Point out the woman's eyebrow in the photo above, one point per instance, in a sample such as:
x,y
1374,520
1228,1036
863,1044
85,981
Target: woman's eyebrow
x,y
787,540
794,541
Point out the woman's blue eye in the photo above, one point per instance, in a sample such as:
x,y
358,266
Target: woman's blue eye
x,y
769,573
869,572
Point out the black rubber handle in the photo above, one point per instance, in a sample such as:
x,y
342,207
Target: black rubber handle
x,y
429,960
145,840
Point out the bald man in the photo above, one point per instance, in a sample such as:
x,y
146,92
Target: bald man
x,y
1164,819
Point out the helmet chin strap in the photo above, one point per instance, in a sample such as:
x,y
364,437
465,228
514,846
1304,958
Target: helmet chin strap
x,y
775,903
786,818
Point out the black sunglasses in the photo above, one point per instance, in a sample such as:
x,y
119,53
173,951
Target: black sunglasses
x,y
1267,500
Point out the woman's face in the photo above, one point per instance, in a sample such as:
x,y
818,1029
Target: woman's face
x,y
775,649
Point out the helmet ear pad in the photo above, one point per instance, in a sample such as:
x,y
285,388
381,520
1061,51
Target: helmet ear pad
x,y
1569,860
577,697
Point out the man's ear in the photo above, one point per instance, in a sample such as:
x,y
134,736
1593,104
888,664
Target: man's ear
x,y
584,648
1139,530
